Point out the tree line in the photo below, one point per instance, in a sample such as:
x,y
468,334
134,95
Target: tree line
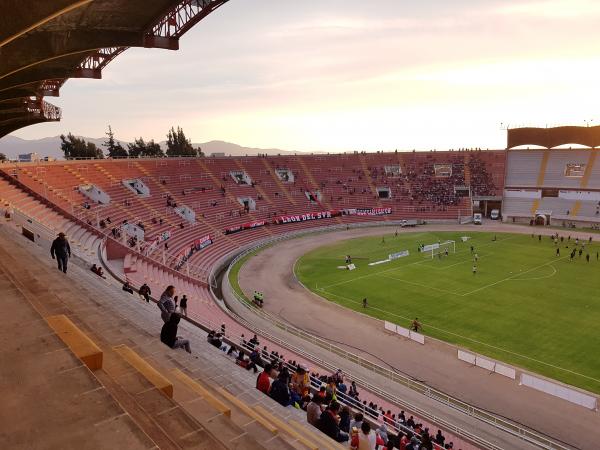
x,y
177,145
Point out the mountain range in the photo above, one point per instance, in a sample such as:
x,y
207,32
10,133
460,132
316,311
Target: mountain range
x,y
13,146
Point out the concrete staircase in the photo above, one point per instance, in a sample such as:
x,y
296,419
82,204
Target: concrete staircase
x,y
144,395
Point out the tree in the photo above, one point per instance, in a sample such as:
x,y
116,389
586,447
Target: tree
x,y
141,148
74,147
115,149
2,157
178,144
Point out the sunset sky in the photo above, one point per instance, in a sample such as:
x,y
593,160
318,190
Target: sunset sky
x,y
333,75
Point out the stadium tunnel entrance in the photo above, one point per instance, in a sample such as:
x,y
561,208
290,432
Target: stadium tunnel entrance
x,y
485,205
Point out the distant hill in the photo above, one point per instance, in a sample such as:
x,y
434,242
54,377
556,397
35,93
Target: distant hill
x,y
12,146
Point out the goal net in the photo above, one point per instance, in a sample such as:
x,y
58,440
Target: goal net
x,y
441,248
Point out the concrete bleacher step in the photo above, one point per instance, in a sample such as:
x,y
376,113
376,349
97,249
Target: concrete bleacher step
x,y
193,413
79,343
146,370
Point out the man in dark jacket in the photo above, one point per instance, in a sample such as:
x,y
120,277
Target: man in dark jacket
x,y
280,391
145,292
328,423
61,250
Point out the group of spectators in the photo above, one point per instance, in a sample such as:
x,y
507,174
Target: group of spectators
x,y
482,183
331,405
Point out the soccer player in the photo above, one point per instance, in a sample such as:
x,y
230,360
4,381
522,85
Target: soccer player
x,y
539,238
476,257
365,302
472,249
383,239
416,325
576,241
590,240
572,255
474,269
587,257
557,251
446,252
580,252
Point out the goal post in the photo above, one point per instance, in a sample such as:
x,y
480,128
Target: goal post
x,y
442,248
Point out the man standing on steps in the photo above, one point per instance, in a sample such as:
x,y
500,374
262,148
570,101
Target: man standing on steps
x,y
61,250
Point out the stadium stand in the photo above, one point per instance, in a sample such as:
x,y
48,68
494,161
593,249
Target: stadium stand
x,y
214,402
565,182
422,186
207,186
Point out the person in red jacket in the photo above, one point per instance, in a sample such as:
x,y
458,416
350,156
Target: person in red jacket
x,y
263,381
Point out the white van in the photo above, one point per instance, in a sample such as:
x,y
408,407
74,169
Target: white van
x,y
477,219
495,214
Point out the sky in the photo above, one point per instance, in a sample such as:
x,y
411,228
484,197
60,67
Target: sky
x,y
341,75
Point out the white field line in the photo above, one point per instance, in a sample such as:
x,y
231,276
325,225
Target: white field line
x,y
513,276
421,285
470,339
400,267
555,271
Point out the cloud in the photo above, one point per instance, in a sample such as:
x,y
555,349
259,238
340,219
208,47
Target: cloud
x,y
553,9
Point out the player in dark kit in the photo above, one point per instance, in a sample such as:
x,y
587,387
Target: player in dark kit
x,y
557,251
416,325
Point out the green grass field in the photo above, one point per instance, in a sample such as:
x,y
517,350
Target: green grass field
x,y
525,306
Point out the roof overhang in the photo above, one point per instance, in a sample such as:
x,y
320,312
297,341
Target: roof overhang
x,y
43,44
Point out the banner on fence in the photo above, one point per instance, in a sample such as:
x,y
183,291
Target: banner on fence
x,y
245,226
467,357
404,332
417,337
389,326
485,363
428,248
307,216
194,247
368,211
397,255
570,395
383,261
506,371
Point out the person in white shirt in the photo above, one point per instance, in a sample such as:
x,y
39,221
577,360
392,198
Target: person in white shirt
x,y
366,438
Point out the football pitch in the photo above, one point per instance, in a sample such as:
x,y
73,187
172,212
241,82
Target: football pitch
x,y
525,305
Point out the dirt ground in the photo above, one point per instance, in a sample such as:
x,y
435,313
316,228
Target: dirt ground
x,y
436,363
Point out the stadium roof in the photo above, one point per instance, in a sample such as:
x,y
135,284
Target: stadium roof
x,y
43,44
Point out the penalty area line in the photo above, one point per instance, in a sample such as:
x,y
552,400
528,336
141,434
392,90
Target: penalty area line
x,y
444,291
512,277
